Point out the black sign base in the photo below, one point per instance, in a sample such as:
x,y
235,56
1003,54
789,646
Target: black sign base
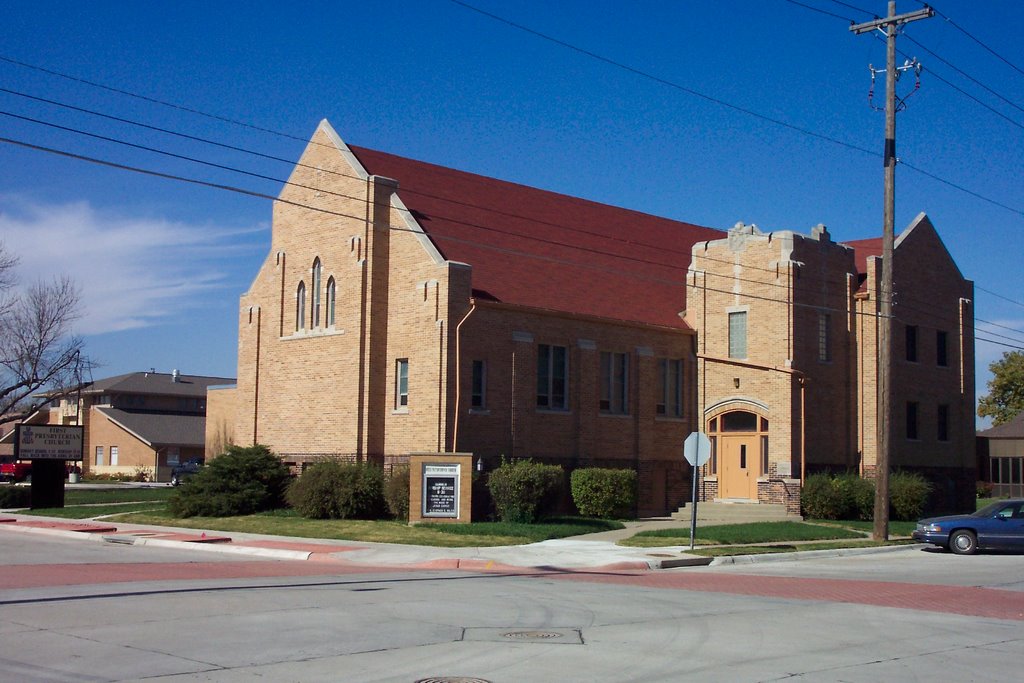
x,y
47,484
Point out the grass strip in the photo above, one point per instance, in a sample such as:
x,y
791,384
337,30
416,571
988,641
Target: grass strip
x,y
288,523
90,511
736,550
729,534
896,528
127,494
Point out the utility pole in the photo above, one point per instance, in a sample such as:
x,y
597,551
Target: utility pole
x,y
890,27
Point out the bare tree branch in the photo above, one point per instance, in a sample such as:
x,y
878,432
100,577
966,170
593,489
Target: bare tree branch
x,y
38,351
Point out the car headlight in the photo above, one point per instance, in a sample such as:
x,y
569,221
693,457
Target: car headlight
x,y
930,528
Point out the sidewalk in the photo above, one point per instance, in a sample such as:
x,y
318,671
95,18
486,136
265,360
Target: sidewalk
x,y
593,552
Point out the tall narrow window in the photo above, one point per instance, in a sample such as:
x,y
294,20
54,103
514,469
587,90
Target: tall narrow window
x,y
941,355
331,298
479,393
824,337
614,383
315,275
911,343
300,307
401,383
738,334
670,387
552,377
99,455
912,420
942,423
113,455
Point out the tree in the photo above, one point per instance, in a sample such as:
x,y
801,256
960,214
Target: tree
x,y
38,351
1005,397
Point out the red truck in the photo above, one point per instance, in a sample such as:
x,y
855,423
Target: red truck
x,y
15,470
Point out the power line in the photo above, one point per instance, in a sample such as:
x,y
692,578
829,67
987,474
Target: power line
x,y
999,296
631,242
965,74
503,250
964,31
820,11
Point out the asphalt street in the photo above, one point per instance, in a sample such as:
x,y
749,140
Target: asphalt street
x,y
72,610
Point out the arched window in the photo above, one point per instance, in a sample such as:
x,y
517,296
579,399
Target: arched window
x,y
331,297
316,293
300,307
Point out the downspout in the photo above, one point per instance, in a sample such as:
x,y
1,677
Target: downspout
x,y
256,379
458,375
803,428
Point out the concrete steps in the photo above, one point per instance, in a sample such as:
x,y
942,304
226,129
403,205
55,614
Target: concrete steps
x,y
722,512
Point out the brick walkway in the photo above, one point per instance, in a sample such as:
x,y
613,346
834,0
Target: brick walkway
x,y
965,600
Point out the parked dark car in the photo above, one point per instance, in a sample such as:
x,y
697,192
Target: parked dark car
x,y
184,470
999,525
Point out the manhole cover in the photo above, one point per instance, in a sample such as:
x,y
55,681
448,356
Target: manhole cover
x,y
532,635
452,679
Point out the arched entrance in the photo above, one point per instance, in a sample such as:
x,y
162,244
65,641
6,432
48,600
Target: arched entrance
x,y
741,452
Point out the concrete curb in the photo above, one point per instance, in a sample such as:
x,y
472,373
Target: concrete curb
x,y
248,550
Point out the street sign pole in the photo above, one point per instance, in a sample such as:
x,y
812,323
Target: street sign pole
x,y
697,451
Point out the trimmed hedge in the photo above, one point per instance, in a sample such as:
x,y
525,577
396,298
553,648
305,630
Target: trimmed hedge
x,y
239,482
845,496
602,492
15,496
332,489
396,492
848,496
908,493
524,490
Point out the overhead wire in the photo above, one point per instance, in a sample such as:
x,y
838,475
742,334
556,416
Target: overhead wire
x,y
645,276
661,248
976,40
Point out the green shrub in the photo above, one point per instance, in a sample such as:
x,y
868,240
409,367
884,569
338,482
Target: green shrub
x,y
15,497
908,492
239,482
524,490
332,489
857,495
820,499
396,492
604,493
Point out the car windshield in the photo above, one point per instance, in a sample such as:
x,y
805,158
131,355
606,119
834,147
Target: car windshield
x,y
989,510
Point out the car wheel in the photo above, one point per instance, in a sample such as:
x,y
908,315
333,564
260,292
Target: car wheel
x,y
963,542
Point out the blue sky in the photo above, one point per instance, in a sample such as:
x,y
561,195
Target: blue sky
x,y
161,263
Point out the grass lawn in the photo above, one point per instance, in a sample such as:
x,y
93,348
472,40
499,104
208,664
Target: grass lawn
x,y
756,532
895,528
726,551
288,523
127,494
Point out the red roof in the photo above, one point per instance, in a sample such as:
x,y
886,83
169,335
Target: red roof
x,y
864,249
545,250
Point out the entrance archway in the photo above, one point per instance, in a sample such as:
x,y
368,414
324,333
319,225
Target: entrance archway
x,y
742,451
